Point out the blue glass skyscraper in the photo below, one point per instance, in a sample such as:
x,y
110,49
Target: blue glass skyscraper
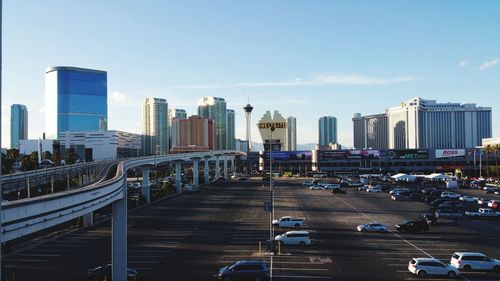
x,y
18,124
76,99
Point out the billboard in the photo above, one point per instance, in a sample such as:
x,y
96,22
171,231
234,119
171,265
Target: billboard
x,y
447,153
291,155
408,154
349,154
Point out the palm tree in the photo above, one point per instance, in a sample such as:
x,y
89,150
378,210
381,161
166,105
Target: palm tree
x,y
487,150
496,148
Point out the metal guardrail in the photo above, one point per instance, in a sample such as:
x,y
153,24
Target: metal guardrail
x,y
26,216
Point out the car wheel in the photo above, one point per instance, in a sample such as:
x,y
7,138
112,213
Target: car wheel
x,y
496,268
302,243
467,267
422,273
452,274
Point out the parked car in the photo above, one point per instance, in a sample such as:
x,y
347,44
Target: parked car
x,y
376,189
439,201
417,197
451,204
483,213
331,186
429,218
338,191
446,213
450,195
103,272
316,187
399,189
301,238
412,226
288,221
430,266
493,204
245,270
372,227
470,199
307,183
474,261
400,197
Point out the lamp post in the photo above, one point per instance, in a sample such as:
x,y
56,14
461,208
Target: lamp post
x,y
271,188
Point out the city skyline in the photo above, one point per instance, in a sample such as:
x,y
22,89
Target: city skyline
x,y
314,62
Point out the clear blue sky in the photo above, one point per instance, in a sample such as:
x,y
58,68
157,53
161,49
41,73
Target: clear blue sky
x,y
303,58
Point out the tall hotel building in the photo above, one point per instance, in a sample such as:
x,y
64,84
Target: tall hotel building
x,y
18,124
155,126
76,99
291,134
215,108
370,131
426,124
192,134
327,126
230,128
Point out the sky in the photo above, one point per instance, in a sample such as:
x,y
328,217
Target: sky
x,y
306,59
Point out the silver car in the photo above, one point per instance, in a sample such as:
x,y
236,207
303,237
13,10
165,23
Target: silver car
x,y
372,227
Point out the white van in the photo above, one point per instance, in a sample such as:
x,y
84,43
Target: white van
x,y
474,261
301,238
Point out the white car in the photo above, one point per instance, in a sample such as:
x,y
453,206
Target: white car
x,y
429,266
372,227
451,195
331,186
316,187
377,189
470,199
307,183
398,190
474,261
294,238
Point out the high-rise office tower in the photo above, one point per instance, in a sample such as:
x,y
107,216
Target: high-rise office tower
x,y
248,115
327,130
155,129
18,124
291,134
230,128
215,108
174,113
76,99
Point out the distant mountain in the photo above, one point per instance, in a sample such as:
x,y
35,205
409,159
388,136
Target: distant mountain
x,y
257,146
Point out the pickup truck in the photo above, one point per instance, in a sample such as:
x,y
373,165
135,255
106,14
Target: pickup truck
x,y
483,212
288,222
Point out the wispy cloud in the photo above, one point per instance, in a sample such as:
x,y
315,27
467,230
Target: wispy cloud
x,y
488,64
463,63
316,80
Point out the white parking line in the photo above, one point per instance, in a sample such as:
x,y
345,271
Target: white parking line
x,y
395,234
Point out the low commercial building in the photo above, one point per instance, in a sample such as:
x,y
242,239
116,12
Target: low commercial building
x,y
99,145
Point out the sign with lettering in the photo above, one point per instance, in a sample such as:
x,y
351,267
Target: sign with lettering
x,y
447,153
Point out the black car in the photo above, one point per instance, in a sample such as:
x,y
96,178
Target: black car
x,y
439,201
429,218
451,205
255,270
412,226
101,273
338,191
417,197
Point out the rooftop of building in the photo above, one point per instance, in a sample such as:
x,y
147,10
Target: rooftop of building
x,y
72,68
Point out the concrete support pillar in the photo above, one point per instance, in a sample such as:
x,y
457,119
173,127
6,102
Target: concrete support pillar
x,y
217,167
67,180
232,164
52,184
196,172
88,219
225,167
207,171
178,183
28,187
119,237
145,186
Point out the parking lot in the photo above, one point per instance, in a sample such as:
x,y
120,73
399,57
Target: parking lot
x,y
190,237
